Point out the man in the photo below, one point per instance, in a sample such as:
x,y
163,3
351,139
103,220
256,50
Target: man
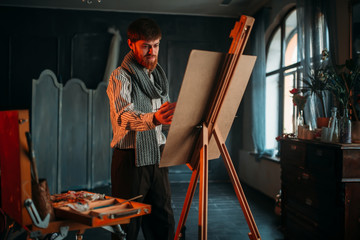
x,y
139,106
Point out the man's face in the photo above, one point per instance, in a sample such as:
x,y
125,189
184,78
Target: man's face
x,y
146,52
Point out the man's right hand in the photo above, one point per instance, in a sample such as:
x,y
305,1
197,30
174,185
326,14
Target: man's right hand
x,y
165,113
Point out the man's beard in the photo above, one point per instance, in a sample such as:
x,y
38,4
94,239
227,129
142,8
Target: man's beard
x,y
151,65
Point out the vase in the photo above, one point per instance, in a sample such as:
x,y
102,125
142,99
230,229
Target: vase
x,y
322,122
345,128
355,132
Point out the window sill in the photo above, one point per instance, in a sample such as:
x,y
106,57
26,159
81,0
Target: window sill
x,y
265,157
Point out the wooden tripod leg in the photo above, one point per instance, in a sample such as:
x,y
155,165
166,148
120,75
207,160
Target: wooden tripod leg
x,y
203,188
188,199
254,232
202,169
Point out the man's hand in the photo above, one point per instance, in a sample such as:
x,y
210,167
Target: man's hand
x,y
165,114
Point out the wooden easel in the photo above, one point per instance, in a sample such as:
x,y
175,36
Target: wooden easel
x,y
199,160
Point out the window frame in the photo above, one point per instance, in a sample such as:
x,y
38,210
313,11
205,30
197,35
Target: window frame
x,y
283,69
298,66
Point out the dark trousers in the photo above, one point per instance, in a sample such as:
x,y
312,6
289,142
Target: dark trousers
x,y
150,181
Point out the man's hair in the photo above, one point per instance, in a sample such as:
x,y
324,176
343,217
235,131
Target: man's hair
x,y
143,29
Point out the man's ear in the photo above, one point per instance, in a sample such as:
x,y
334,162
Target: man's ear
x,y
131,44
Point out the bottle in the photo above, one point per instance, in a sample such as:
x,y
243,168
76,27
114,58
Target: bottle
x,y
345,128
300,124
334,126
300,118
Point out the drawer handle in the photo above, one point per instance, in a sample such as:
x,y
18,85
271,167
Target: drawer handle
x,y
305,176
308,201
293,147
319,152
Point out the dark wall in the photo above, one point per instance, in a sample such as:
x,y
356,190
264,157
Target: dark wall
x,y
74,44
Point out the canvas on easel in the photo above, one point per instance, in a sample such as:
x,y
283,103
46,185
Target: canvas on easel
x,y
211,92
198,83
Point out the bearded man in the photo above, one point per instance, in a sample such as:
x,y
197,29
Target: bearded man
x,y
139,107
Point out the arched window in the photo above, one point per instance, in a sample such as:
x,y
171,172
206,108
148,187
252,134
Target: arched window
x,y
281,76
284,70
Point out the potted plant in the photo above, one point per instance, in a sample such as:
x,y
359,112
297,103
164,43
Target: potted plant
x,y
343,81
316,84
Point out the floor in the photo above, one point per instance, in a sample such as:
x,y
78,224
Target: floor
x,y
225,218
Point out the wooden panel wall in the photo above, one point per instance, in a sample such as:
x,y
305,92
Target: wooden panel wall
x,y
72,133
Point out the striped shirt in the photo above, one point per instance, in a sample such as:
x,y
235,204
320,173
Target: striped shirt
x,y
126,120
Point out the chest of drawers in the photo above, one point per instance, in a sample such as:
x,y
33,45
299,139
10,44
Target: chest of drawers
x,y
320,185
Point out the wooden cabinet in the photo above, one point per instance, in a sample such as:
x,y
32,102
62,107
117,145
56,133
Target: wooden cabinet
x,y
320,190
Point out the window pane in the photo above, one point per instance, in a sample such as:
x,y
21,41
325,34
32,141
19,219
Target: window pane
x,y
323,33
291,39
291,51
272,111
274,53
289,111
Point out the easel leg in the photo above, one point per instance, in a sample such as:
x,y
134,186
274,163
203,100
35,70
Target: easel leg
x,y
186,207
203,190
254,232
202,170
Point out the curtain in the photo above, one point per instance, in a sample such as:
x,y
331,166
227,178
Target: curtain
x,y
114,50
257,82
311,41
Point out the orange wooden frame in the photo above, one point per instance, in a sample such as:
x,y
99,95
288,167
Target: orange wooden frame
x,y
199,161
